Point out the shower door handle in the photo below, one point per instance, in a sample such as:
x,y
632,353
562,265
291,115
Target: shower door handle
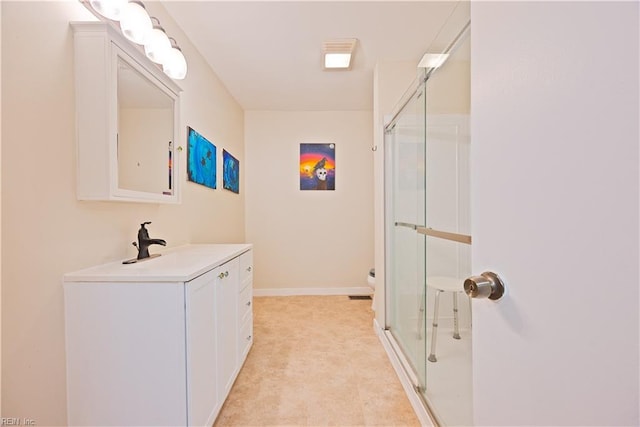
x,y
487,285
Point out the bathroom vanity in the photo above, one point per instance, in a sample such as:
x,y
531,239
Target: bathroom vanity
x,y
158,342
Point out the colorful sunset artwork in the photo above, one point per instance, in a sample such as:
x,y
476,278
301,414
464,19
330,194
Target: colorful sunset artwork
x,y
317,166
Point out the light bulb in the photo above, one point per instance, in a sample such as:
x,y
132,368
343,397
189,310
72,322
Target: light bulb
x,y
174,65
157,45
337,60
111,9
135,22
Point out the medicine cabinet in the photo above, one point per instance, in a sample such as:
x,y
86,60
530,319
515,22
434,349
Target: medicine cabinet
x,y
127,118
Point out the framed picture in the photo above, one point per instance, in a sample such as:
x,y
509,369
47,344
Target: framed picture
x,y
201,159
317,166
230,172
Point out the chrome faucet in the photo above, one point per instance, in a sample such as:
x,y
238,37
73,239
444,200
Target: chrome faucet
x,y
144,242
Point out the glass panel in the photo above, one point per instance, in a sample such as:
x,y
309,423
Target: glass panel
x,y
145,133
449,377
406,275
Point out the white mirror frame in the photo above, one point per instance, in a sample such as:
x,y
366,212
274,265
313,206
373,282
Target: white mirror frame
x,y
97,47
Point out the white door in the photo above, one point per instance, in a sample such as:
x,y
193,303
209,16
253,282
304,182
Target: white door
x,y
554,125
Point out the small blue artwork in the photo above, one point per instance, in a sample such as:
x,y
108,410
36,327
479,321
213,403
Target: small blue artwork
x,y
230,172
201,159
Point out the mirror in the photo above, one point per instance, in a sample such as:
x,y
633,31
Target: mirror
x,y
145,129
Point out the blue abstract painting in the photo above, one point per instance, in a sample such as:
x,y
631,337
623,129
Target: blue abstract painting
x,y
230,172
201,159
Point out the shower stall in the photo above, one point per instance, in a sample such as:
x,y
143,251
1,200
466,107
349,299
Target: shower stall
x,y
428,236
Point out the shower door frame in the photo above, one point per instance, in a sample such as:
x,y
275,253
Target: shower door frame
x,y
394,349
391,225
411,381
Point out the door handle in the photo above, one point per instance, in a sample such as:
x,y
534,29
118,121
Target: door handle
x,y
487,285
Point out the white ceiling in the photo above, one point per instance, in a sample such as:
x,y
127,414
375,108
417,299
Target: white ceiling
x,y
268,53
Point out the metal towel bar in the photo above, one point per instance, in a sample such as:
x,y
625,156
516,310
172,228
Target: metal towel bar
x,y
427,231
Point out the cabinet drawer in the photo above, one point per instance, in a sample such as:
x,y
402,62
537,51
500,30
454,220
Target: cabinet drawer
x,y
245,302
246,266
245,339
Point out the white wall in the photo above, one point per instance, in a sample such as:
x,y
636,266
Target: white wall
x,y
306,241
48,230
555,107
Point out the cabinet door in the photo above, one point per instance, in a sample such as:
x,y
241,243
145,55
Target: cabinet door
x,y
202,349
227,326
113,163
125,354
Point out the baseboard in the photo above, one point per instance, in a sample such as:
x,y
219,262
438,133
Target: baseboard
x,y
281,292
407,385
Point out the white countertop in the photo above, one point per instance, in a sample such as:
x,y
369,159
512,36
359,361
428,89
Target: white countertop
x,y
178,264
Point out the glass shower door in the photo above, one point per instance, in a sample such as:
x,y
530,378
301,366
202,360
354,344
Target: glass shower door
x,y
428,237
448,238
405,180
447,265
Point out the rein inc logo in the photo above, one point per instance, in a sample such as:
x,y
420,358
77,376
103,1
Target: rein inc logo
x,y
6,421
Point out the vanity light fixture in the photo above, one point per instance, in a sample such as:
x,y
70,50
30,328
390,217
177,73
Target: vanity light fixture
x,y
174,64
137,26
433,60
111,9
135,22
337,54
158,45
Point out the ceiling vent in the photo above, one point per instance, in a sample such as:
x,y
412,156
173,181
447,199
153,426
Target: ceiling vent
x,y
337,54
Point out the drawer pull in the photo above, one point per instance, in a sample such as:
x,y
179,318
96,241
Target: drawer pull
x,y
226,274
249,338
221,276
249,268
248,303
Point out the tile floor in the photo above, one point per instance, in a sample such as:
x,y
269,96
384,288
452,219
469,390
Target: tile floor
x,y
316,361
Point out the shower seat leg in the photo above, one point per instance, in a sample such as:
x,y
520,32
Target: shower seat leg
x,y
434,329
420,318
456,330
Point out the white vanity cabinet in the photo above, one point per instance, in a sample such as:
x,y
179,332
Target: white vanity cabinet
x,y
156,342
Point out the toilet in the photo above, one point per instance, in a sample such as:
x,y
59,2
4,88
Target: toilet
x,y
371,281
